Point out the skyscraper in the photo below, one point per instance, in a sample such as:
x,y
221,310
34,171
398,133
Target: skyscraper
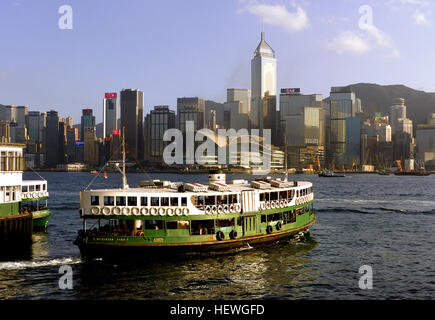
x,y
110,114
52,139
132,102
87,121
161,119
263,79
191,109
238,106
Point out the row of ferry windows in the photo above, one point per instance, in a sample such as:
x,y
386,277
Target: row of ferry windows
x,y
284,195
134,201
33,188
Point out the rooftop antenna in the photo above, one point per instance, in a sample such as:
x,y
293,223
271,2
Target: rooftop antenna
x,y
262,28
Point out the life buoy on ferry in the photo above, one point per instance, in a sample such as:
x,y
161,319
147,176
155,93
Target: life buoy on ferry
x,y
153,211
95,210
35,194
220,235
139,234
238,207
214,209
267,205
144,211
232,208
285,203
116,211
269,229
279,225
162,211
186,211
178,211
207,210
281,203
41,194
106,211
273,205
220,209
135,211
170,212
226,208
126,211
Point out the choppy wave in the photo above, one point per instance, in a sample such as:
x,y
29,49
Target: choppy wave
x,y
37,264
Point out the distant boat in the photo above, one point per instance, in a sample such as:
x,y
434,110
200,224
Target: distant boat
x,y
94,172
331,174
105,175
383,173
412,173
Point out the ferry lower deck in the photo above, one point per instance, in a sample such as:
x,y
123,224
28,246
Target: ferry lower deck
x,y
131,235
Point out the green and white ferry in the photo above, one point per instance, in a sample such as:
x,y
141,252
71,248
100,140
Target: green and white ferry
x,y
23,203
161,216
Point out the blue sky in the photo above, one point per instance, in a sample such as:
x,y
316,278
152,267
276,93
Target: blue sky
x,y
177,48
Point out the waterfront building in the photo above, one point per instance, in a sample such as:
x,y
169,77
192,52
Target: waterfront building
x,y
90,153
110,114
425,136
263,79
397,111
218,109
431,118
87,121
342,106
63,156
302,127
132,104
161,119
72,136
52,139
191,109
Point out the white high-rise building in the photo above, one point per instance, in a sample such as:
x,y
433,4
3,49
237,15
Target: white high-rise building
x,y
263,79
398,111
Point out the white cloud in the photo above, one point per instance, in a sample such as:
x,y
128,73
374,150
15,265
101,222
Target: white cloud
x,y
278,15
349,42
420,18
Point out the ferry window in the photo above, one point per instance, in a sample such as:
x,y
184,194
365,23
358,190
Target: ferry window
x,y
132,201
210,201
262,197
43,187
95,200
164,202
31,188
201,227
291,194
120,201
184,202
181,224
234,199
174,202
155,201
38,187
221,223
222,199
24,189
198,201
283,195
109,201
154,224
143,201
274,196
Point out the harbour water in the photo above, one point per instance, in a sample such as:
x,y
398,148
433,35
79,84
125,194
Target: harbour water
x,y
385,222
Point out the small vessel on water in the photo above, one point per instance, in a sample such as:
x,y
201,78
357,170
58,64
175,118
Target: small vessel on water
x,y
161,216
23,203
331,174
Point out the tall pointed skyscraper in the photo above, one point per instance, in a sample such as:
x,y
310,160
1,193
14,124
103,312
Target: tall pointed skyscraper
x,y
263,80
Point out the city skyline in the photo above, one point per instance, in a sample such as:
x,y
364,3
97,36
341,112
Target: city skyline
x,y
67,70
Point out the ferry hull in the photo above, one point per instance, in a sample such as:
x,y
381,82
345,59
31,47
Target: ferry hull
x,y
91,250
40,220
